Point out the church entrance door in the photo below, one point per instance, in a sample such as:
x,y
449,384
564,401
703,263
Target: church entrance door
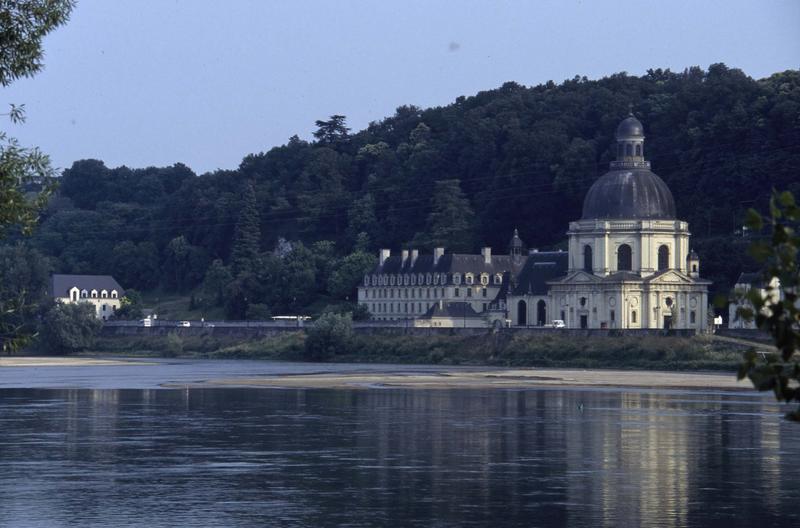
x,y
667,322
584,321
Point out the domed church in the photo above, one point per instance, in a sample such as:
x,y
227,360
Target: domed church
x,y
629,263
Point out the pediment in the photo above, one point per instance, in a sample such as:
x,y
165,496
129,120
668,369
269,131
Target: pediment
x,y
579,276
670,277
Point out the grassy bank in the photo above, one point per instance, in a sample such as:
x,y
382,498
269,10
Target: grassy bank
x,y
518,349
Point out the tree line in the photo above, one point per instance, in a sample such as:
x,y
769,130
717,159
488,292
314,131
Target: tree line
x,y
301,222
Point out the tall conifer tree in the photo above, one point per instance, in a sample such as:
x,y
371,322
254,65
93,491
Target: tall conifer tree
x,y
247,234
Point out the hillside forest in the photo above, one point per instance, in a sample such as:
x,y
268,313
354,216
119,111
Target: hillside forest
x,y
294,228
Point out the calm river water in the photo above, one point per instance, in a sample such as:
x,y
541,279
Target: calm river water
x,y
267,457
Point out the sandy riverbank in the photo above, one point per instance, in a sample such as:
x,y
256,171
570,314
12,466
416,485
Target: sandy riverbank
x,y
494,378
21,361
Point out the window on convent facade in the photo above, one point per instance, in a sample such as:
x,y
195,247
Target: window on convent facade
x,y
455,292
469,292
484,292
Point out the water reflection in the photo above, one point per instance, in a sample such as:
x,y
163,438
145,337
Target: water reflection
x,y
242,457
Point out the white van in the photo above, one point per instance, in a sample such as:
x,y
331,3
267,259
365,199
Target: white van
x,y
559,323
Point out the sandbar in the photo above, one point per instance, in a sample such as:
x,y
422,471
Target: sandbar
x,y
493,378
21,361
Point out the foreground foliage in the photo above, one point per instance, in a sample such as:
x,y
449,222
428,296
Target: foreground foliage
x,y
778,310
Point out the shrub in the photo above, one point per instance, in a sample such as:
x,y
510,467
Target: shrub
x,y
331,334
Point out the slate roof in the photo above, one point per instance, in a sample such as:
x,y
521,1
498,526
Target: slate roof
x,y
456,310
61,284
448,263
540,267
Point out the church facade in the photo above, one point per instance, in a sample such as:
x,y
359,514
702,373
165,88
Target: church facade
x,y
629,262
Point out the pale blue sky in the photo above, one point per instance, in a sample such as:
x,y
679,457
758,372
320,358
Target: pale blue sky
x,y
205,82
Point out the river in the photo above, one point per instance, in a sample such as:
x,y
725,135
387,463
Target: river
x,y
94,455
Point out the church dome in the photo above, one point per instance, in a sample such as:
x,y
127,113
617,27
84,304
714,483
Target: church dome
x,y
634,194
629,189
630,127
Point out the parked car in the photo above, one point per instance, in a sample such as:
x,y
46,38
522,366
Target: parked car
x,y
559,323
184,323
146,322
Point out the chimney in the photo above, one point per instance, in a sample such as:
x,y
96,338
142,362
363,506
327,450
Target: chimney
x,y
437,254
404,257
414,255
487,255
383,255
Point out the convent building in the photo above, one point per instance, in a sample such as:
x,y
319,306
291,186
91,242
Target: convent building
x,y
628,265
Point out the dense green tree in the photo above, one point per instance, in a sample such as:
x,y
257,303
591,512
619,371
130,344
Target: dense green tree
x,y
184,265
333,130
348,273
135,265
215,282
247,235
68,328
331,334
450,223
131,305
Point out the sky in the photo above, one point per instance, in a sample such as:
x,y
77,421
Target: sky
x,y
205,82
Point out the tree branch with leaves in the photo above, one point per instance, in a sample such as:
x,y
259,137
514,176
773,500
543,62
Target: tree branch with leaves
x,y
775,308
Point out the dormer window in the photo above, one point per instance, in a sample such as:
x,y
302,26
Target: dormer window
x,y
428,278
484,279
444,278
84,294
104,294
498,279
94,294
391,280
114,294
420,279
405,280
469,278
413,280
456,278
436,278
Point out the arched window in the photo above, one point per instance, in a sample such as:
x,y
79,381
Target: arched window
x,y
541,313
94,294
588,263
638,150
84,294
469,279
628,150
624,258
633,316
103,294
694,268
522,313
663,257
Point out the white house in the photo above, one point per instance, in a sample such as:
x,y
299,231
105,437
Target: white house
x,y
101,291
745,283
